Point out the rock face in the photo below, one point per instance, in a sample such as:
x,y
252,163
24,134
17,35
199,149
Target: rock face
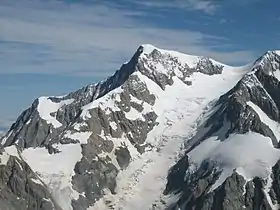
x,y
75,150
21,188
31,130
234,193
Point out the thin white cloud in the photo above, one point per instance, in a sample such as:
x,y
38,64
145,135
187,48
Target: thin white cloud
x,y
207,6
204,5
55,37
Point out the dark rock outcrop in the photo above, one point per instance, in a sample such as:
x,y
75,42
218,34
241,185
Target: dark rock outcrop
x,y
21,189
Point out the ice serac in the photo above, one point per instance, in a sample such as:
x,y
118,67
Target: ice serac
x,y
110,145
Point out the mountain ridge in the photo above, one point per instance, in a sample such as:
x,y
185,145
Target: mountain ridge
x,y
144,48
112,82
114,133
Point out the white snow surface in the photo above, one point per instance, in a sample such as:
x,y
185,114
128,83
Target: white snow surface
x,y
106,102
78,126
266,192
273,125
46,107
37,181
56,170
133,114
191,60
250,154
277,52
276,74
113,125
80,136
8,151
178,108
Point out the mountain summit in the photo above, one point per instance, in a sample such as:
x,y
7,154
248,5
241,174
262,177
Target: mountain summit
x,y
166,131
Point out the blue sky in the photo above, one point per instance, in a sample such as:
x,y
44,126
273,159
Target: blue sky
x,y
56,46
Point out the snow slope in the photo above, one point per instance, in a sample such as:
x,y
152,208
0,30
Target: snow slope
x,y
240,153
274,126
191,60
178,108
56,170
46,107
8,151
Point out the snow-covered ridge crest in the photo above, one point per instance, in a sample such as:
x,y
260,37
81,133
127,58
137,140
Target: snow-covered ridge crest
x,y
175,63
269,63
191,60
116,130
58,112
99,146
46,107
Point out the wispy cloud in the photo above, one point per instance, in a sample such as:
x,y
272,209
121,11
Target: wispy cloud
x,y
57,37
207,6
204,5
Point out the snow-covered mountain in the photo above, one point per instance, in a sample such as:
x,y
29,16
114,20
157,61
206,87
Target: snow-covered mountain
x,y
166,131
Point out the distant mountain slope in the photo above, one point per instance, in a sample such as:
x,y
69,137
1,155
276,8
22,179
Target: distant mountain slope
x,y
110,145
232,161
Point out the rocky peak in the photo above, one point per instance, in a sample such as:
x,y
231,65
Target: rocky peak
x,y
161,65
49,116
32,128
269,62
137,119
